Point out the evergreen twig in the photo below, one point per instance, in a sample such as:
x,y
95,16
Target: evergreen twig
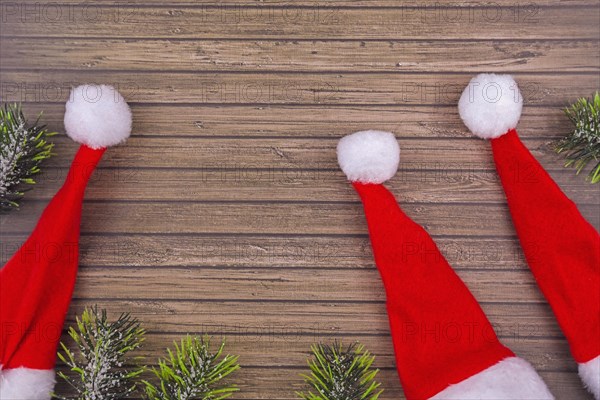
x,y
101,373
339,373
582,145
192,371
22,150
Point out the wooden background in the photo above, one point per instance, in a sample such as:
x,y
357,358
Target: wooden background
x,y
225,213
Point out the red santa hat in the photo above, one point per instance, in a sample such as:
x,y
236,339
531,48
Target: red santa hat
x,y
561,247
445,347
37,282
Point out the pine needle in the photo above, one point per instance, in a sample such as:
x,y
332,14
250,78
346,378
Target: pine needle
x,y
582,145
23,148
339,373
100,368
192,371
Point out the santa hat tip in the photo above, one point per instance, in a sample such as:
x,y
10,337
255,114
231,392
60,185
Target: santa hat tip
x,y
97,116
369,156
491,105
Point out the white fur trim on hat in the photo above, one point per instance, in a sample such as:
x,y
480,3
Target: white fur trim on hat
x,y
511,379
97,116
491,105
590,375
369,156
26,384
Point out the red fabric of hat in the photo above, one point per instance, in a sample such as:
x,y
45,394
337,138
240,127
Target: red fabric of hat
x,y
445,346
560,246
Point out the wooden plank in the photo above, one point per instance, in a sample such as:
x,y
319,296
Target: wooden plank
x,y
321,284
426,184
241,155
325,121
289,218
294,252
292,22
190,251
444,9
294,56
283,88
515,320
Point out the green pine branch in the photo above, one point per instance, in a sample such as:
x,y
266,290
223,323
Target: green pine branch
x,y
192,371
339,373
23,147
582,145
100,368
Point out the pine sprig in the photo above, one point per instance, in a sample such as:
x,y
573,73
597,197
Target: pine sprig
x,y
582,145
22,150
339,373
192,371
101,373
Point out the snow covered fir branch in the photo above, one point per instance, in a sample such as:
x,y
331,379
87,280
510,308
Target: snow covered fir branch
x,y
341,373
100,365
193,371
23,148
102,368
582,145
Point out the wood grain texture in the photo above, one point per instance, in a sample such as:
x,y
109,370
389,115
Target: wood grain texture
x,y
430,184
303,55
77,20
276,218
283,88
360,4
226,213
327,318
305,121
289,153
267,251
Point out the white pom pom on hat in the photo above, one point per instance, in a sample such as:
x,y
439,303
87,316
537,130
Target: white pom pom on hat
x,y
97,116
491,105
369,156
